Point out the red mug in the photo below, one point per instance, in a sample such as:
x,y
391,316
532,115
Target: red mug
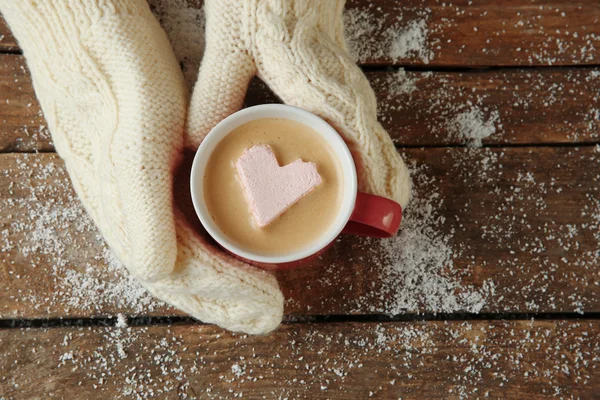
x,y
359,214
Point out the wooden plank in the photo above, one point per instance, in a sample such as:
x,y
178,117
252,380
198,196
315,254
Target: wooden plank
x,y
458,33
495,359
417,108
466,33
489,230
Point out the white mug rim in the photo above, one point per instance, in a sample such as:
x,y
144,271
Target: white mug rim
x,y
243,116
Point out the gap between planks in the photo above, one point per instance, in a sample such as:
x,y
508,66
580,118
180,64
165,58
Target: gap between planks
x,y
135,321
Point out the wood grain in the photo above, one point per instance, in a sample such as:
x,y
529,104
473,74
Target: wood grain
x,y
497,230
417,108
495,359
490,230
463,33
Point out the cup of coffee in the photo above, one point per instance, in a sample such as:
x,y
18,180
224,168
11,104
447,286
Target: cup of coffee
x,y
275,185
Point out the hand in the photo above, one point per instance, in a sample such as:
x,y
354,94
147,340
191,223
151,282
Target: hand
x,y
115,101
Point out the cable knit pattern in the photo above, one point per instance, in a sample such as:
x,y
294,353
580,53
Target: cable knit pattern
x,y
115,101
297,47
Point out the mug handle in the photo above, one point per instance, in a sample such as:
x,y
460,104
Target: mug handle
x,y
374,216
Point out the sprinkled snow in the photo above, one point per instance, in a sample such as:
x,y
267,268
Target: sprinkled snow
x,y
121,321
369,39
360,27
473,126
412,42
401,83
417,267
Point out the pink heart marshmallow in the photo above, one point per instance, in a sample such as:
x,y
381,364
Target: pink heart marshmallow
x,y
271,189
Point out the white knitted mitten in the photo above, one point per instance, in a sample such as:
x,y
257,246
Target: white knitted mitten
x,y
115,101
297,47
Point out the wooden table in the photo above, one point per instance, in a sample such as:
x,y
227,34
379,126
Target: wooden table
x,y
491,290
